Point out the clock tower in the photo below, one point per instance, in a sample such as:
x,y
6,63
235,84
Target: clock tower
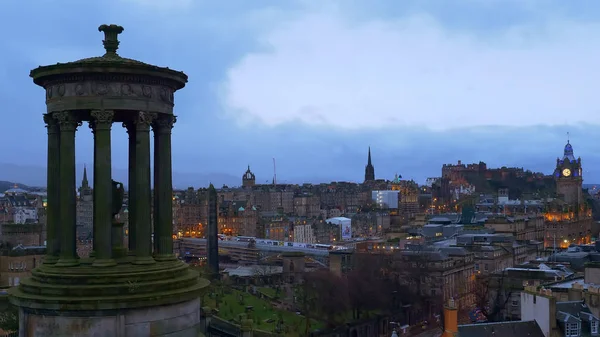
x,y
568,176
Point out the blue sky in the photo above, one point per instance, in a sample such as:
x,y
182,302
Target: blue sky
x,y
314,83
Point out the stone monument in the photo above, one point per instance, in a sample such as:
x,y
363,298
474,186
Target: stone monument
x,y
146,290
211,236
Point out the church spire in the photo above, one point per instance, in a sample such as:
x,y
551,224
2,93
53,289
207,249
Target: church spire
x,y
84,181
369,169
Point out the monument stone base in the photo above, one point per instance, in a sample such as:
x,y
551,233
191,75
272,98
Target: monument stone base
x,y
162,299
176,320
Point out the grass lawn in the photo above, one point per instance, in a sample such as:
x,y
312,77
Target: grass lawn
x,y
268,291
264,315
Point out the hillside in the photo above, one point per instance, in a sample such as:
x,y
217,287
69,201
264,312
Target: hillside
x,y
5,185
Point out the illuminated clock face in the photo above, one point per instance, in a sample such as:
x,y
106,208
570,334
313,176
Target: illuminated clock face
x,y
566,172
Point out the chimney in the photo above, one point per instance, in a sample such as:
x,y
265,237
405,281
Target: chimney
x,y
450,319
575,293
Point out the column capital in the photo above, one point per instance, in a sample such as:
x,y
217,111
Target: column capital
x,y
66,120
143,120
51,123
101,119
163,123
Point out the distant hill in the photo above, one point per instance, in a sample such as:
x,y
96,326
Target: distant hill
x,y
36,176
6,185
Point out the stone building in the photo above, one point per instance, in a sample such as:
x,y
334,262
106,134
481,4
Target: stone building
x,y
30,234
304,232
18,207
437,275
408,196
568,217
85,210
237,218
16,263
326,233
371,223
495,252
277,227
522,227
248,179
307,205
505,287
22,249
190,212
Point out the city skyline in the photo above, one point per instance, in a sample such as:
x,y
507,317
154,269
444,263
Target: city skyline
x,y
314,86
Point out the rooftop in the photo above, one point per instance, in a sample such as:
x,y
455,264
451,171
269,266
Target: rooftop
x,y
501,329
109,62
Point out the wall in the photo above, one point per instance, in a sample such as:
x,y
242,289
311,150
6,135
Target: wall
x,y
180,319
541,308
15,268
592,273
22,234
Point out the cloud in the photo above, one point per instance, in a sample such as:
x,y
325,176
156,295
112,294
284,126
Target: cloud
x,y
161,4
323,69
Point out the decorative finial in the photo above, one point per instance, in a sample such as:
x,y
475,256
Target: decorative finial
x,y
568,137
111,41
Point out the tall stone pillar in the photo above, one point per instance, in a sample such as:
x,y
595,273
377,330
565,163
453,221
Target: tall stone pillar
x,y
211,237
101,123
163,188
143,196
53,189
68,124
131,215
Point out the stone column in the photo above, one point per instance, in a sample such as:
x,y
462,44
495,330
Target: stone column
x,y
101,123
143,196
53,189
68,194
131,214
163,188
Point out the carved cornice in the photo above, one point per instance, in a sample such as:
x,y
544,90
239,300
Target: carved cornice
x,y
121,88
128,78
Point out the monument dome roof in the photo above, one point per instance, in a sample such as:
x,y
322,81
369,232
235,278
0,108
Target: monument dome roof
x,y
15,191
110,62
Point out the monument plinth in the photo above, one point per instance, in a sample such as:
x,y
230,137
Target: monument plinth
x,y
139,290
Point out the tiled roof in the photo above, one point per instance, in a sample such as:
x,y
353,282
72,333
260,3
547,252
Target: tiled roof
x,y
573,311
503,329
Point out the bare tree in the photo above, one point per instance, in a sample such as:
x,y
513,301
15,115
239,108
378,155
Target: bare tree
x,y
416,270
265,270
366,284
331,294
305,299
492,293
264,274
